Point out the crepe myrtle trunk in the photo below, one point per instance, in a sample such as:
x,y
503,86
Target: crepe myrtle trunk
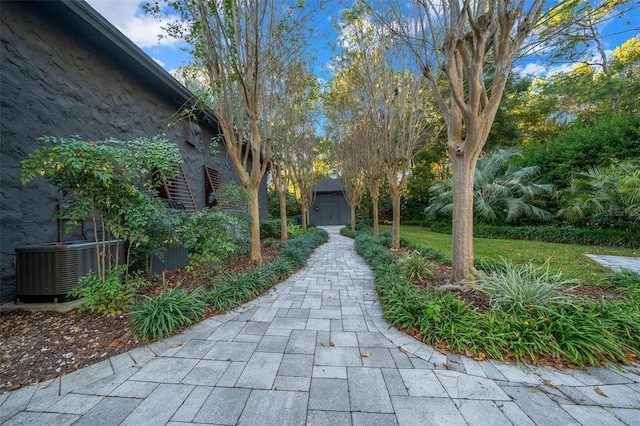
x,y
375,196
395,230
255,252
283,214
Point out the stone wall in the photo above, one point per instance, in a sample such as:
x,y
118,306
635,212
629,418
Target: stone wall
x,y
56,82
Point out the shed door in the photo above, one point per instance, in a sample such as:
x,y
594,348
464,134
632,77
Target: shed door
x,y
331,213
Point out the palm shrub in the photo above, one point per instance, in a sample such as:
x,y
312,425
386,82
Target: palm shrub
x,y
499,187
603,193
166,313
522,287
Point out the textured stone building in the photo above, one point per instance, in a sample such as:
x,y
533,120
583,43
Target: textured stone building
x,y
65,70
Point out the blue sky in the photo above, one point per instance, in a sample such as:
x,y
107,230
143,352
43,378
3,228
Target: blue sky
x,y
130,19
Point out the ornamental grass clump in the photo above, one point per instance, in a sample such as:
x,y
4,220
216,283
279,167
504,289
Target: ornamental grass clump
x,y
166,313
522,287
415,267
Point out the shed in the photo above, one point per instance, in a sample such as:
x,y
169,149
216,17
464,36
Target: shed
x,y
330,206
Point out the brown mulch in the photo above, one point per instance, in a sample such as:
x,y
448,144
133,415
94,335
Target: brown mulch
x,y
38,346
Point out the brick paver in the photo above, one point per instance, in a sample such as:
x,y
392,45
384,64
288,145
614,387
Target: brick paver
x,y
315,350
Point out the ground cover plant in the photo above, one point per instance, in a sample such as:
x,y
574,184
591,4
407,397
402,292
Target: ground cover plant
x,y
568,258
68,341
552,324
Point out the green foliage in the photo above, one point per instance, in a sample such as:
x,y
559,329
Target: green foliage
x,y
347,232
602,194
213,236
561,234
273,204
107,297
414,266
268,242
166,313
111,182
270,228
585,145
522,287
501,191
580,331
626,281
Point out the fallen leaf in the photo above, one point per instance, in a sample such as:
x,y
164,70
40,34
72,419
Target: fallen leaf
x,y
600,392
176,345
366,354
548,383
331,343
403,350
115,342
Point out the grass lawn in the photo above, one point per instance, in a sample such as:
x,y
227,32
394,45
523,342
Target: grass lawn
x,y
568,258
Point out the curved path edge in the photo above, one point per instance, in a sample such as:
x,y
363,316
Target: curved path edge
x,y
316,350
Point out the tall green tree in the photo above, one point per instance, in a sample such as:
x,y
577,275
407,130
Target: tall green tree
x,y
460,40
243,46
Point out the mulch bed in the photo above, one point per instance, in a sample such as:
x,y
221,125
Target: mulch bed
x,y
38,346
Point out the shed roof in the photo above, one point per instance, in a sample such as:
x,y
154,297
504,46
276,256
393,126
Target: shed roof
x,y
327,185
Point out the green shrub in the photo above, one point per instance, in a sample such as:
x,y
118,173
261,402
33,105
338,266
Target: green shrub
x,y
415,266
109,297
581,332
270,229
591,236
165,314
522,287
347,232
268,242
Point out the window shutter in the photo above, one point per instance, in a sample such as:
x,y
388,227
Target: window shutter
x,y
212,182
178,190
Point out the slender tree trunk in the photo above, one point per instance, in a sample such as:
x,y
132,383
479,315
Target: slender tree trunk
x,y
353,218
375,196
255,253
283,215
462,233
304,217
395,196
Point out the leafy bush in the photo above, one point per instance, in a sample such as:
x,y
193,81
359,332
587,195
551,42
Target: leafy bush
x,y
522,287
107,297
415,266
581,332
268,242
554,234
213,235
347,232
166,313
270,229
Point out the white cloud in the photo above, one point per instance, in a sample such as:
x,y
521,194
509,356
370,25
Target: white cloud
x,y
130,19
531,69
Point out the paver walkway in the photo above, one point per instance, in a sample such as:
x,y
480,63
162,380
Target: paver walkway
x,y
315,350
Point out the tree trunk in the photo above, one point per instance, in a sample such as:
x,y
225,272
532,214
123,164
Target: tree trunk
x,y
395,240
375,195
462,233
283,215
353,218
304,218
255,253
